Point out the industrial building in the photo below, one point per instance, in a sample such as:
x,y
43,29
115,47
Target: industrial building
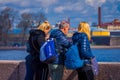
x,y
106,33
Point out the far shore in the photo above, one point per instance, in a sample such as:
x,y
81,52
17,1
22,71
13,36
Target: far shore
x,y
104,46
24,47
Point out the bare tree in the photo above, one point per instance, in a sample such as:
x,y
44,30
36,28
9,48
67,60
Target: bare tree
x,y
6,21
9,16
24,24
38,18
27,21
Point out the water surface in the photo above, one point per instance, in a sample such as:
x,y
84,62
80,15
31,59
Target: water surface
x,y
102,55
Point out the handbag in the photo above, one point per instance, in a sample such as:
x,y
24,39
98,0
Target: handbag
x,y
73,61
87,72
94,65
48,52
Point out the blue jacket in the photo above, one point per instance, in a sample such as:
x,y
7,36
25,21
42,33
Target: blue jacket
x,y
62,44
83,45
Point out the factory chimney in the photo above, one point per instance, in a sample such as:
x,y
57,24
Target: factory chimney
x,y
99,16
68,21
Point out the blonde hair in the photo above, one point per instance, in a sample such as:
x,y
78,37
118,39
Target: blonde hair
x,y
85,28
45,26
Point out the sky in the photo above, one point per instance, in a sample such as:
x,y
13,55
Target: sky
x,y
75,10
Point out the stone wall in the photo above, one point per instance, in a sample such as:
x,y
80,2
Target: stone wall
x,y
101,40
114,40
12,70
106,40
15,70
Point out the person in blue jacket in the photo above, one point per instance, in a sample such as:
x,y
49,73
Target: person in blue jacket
x,y
82,36
62,44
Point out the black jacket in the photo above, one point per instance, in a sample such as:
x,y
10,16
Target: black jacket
x,y
36,39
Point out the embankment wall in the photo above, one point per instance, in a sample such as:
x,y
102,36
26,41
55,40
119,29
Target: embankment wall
x,y
15,70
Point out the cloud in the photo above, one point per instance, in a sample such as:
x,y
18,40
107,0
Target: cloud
x,y
18,3
46,10
2,7
8,1
59,9
95,3
47,3
22,3
25,3
76,9
25,11
69,6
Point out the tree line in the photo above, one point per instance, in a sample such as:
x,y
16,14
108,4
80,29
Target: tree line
x,y
10,18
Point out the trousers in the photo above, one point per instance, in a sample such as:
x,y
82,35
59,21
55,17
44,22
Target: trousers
x,y
56,71
35,70
85,73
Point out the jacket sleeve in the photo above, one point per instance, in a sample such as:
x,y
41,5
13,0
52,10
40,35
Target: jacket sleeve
x,y
41,40
64,41
84,48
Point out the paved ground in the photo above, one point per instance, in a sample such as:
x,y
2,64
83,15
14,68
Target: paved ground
x,y
105,46
24,47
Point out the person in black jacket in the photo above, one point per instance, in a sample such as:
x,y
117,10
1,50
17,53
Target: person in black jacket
x,y
83,35
35,69
56,68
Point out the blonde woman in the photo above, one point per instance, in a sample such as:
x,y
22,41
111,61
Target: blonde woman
x,y
82,36
36,70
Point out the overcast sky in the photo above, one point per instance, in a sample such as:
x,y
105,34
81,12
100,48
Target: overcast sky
x,y
76,10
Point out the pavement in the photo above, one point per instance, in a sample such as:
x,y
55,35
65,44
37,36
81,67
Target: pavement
x,y
24,47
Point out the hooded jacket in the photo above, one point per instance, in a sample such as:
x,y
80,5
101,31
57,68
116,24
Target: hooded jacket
x,y
83,45
36,39
62,43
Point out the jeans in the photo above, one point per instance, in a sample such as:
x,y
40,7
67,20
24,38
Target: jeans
x,y
56,71
29,70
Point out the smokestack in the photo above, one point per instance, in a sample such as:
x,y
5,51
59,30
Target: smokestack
x,y
99,16
69,21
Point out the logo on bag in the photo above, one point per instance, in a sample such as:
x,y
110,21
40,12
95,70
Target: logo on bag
x,y
50,52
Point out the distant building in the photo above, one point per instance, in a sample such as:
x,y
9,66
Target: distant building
x,y
114,25
106,33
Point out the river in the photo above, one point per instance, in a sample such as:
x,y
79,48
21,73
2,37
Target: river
x,y
102,55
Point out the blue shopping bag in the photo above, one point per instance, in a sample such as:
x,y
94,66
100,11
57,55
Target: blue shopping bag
x,y
48,51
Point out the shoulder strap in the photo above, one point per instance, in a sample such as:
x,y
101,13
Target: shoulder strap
x,y
77,42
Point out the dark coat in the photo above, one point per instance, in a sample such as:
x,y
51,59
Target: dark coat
x,y
36,39
34,67
83,45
